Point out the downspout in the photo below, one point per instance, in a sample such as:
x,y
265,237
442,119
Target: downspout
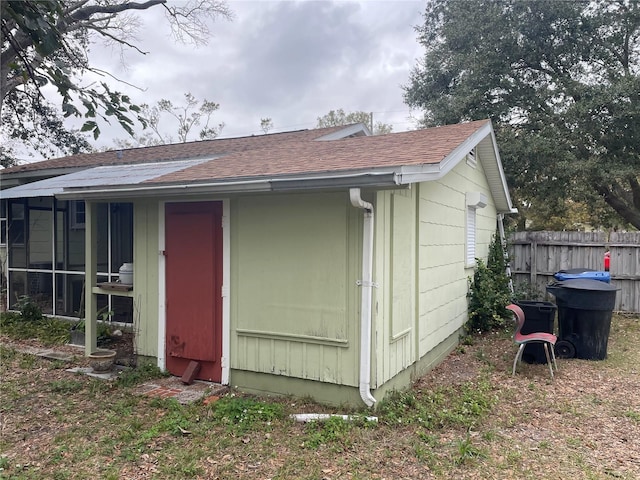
x,y
367,289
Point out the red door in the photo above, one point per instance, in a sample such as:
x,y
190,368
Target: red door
x,y
193,237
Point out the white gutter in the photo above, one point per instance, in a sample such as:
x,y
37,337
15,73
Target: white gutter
x,y
367,286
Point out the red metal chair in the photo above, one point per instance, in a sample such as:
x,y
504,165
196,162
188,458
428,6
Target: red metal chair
x,y
547,339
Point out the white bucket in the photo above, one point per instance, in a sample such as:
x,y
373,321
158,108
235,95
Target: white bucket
x,y
126,273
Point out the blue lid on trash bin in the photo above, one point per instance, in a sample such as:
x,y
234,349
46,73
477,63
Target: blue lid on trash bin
x,y
577,273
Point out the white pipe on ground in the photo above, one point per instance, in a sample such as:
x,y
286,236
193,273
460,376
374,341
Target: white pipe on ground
x,y
367,286
321,417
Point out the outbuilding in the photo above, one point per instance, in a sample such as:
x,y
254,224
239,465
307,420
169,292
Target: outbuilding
x,y
327,263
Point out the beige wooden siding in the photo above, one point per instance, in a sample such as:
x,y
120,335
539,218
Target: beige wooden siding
x,y
443,276
294,300
395,273
145,277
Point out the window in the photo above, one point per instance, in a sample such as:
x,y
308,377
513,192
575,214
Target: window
x,y
55,280
77,214
17,223
471,236
474,200
3,222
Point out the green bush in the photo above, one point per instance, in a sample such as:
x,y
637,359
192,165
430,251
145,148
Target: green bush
x,y
50,331
29,310
527,291
497,261
489,292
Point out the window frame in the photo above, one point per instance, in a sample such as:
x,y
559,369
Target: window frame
x,y
76,208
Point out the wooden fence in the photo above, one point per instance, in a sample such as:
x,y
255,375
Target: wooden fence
x,y
536,256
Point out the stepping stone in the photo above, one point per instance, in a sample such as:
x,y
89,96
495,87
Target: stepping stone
x,y
54,355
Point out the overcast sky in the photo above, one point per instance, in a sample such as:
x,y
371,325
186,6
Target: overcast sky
x,y
291,61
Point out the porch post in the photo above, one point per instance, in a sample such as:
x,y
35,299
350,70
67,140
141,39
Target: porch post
x,y
90,278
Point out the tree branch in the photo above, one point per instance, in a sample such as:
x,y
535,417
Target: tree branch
x,y
86,12
635,191
628,213
115,39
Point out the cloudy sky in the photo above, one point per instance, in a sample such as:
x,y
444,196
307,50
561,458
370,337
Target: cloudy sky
x,y
291,61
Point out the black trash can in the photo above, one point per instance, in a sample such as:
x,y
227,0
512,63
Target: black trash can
x,y
538,317
585,307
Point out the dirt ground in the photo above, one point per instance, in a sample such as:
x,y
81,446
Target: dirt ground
x,y
589,413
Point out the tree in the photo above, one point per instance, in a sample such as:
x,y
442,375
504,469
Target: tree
x,y
339,117
266,124
187,117
560,80
45,123
46,42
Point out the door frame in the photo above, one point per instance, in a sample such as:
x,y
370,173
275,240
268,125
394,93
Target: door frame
x,y
224,294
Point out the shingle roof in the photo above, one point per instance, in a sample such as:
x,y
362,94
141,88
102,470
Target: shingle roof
x,y
417,147
291,160
173,151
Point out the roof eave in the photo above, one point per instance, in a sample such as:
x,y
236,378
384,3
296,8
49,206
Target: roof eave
x,y
382,178
13,179
483,139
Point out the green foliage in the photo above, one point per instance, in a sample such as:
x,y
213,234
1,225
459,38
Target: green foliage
x,y
560,82
266,124
497,261
527,291
27,361
7,353
633,415
50,331
173,419
45,45
334,431
489,292
467,451
241,414
130,377
29,310
486,302
456,405
66,386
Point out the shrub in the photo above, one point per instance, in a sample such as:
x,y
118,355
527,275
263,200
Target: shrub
x,y
29,310
49,331
527,291
489,292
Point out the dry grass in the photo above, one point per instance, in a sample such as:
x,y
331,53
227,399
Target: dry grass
x,y
468,418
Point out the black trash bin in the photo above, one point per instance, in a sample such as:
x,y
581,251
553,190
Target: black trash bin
x,y
538,317
585,307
